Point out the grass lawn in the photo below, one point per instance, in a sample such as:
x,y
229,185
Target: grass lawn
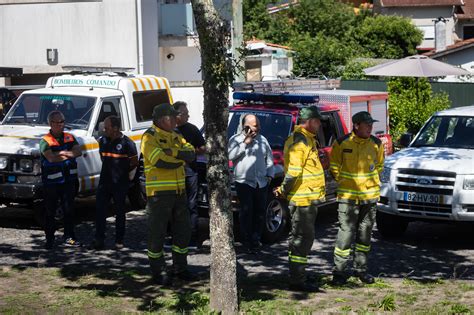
x,y
75,289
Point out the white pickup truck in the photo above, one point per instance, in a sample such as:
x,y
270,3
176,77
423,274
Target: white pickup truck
x,y
85,99
433,178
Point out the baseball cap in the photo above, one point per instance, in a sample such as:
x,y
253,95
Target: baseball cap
x,y
310,112
164,109
362,117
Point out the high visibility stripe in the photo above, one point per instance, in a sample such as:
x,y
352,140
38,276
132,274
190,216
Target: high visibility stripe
x,y
342,252
295,168
168,90
134,84
142,83
136,137
313,175
334,165
155,255
149,82
157,83
358,175
314,193
114,155
73,171
154,153
55,175
89,146
297,259
172,184
356,192
178,250
362,248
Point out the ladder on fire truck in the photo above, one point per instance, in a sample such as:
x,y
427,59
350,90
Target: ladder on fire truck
x,y
276,86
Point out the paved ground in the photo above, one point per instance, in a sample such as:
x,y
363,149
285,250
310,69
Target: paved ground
x,y
427,251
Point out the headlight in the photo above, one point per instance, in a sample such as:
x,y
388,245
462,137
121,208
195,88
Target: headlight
x,y
385,175
26,165
3,162
468,183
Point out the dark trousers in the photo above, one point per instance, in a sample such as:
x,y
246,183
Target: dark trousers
x,y
59,195
252,212
192,192
161,210
118,192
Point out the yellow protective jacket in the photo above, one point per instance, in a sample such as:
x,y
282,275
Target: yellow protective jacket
x,y
164,173
356,164
304,182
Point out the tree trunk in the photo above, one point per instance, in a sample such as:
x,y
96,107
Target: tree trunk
x,y
217,75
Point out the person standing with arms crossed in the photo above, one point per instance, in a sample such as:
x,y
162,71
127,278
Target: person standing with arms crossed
x,y
59,151
119,156
304,188
356,163
193,136
165,153
252,159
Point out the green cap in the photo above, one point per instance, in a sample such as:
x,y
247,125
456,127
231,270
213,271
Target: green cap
x,y
310,112
164,109
362,117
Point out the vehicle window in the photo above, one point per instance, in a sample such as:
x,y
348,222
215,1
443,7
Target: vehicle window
x,y
327,134
145,101
33,109
447,131
110,107
274,126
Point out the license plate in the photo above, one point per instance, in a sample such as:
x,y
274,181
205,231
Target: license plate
x,y
418,197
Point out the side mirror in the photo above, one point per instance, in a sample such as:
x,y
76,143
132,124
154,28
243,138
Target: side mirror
x,y
405,140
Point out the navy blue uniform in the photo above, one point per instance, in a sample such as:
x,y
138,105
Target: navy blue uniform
x,y
113,183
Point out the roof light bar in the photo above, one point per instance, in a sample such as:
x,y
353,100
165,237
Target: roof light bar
x,y
277,98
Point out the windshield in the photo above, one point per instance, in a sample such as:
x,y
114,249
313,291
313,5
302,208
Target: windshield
x,y
447,131
274,126
33,109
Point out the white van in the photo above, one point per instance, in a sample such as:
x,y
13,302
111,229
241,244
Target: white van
x,y
433,178
85,99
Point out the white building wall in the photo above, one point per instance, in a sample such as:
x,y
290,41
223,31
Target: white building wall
x,y
424,16
180,63
84,33
150,36
464,59
267,69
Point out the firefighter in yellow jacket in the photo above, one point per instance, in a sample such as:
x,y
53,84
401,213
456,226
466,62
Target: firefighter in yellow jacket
x,y
304,188
165,153
356,162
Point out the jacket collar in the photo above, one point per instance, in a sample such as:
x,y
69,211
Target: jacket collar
x,y
304,131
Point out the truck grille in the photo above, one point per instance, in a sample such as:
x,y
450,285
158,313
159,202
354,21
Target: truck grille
x,y
426,208
426,181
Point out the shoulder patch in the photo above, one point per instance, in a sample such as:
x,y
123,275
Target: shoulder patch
x,y
343,138
150,131
299,137
376,140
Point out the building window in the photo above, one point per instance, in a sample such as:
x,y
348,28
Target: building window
x,y
428,31
468,32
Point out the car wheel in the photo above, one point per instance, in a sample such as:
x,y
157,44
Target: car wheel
x,y
276,220
390,226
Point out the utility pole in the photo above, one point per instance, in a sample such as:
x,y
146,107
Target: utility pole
x,y
237,39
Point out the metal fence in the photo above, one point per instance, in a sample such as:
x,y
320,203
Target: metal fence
x,y
460,94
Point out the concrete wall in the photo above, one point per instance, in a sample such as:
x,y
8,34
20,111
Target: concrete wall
x,y
84,33
183,65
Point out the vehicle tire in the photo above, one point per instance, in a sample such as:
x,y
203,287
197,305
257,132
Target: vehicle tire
x,y
390,226
277,220
137,192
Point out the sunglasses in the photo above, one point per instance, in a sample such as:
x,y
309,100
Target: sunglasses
x,y
58,122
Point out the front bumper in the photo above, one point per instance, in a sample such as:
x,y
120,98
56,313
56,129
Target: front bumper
x,y
17,192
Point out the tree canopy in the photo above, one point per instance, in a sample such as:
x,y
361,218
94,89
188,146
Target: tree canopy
x,y
326,34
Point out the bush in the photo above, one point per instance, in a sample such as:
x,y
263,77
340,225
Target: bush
x,y
411,103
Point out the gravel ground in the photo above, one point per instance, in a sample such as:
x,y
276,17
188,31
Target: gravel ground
x,y
427,251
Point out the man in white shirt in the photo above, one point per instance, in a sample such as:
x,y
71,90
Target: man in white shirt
x,y
252,160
